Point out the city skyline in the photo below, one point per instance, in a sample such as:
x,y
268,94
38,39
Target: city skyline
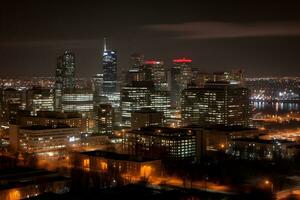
x,y
261,38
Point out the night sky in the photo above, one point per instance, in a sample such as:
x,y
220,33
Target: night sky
x,y
262,38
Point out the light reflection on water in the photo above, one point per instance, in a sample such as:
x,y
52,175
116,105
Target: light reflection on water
x,y
276,108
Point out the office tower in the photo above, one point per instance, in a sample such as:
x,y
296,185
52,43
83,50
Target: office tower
x,y
109,71
181,76
159,74
81,101
133,98
65,71
168,144
161,101
105,119
39,99
97,87
136,61
146,117
218,103
64,76
11,102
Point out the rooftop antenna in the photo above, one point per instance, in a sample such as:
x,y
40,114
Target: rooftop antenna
x,y
104,44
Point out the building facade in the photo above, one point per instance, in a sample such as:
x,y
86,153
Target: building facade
x,y
218,103
170,144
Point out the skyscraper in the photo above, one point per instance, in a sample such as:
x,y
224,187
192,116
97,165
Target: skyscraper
x,y
65,71
109,71
135,97
136,61
159,74
64,76
181,75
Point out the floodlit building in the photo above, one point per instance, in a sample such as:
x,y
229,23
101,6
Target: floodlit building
x,y
117,165
43,140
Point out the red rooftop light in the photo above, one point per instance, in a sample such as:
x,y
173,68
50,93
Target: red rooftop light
x,y
152,62
182,60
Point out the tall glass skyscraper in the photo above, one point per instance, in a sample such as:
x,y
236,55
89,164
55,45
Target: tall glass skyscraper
x,y
109,71
65,71
64,76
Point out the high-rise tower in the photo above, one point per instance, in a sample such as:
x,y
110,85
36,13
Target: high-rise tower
x,y
109,71
64,76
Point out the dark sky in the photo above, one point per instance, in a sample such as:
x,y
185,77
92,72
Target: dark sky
x,y
262,38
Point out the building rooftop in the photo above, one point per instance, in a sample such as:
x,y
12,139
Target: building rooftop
x,y
116,156
46,127
146,110
164,131
261,141
21,177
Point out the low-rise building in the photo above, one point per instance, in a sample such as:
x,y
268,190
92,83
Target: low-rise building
x,y
258,149
162,143
115,164
43,140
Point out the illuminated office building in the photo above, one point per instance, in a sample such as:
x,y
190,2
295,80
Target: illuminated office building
x,y
97,85
161,101
181,76
218,103
233,77
159,74
39,99
64,77
109,71
133,98
161,143
11,102
105,119
80,100
43,140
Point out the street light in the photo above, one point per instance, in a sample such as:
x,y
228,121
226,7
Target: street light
x,y
269,184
